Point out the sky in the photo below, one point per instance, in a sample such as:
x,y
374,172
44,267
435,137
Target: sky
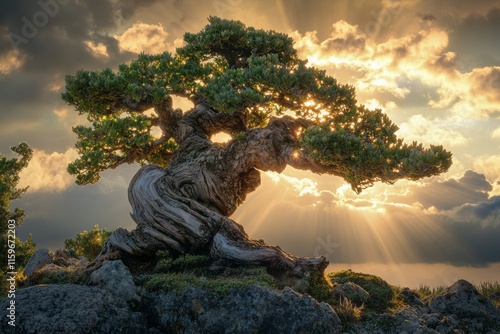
x,y
433,67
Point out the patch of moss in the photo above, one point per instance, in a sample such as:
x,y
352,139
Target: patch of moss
x,y
232,278
320,288
176,282
182,263
381,293
56,276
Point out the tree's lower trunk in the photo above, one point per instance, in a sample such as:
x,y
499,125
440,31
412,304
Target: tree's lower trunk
x,y
185,207
167,220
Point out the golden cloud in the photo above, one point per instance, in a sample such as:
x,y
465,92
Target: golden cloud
x,y
97,49
489,165
46,172
10,62
419,62
420,129
485,82
496,133
147,38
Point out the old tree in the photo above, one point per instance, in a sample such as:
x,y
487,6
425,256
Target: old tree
x,y
251,85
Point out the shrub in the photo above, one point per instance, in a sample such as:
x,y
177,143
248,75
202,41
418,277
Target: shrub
x,y
348,312
87,243
381,293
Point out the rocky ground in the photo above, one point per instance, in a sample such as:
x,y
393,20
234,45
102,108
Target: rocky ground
x,y
112,299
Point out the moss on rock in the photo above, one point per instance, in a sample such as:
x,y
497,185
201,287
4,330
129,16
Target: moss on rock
x,y
381,293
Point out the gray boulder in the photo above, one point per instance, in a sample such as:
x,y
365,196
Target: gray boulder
x,y
254,309
38,260
353,292
72,309
411,297
116,278
475,311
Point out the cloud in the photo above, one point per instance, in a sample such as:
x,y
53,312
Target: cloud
x,y
483,213
452,221
410,69
46,172
148,38
379,229
472,187
488,165
496,133
97,49
485,82
10,62
436,131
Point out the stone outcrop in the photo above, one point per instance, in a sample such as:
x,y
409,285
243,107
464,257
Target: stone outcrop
x,y
459,309
475,311
74,309
44,260
114,301
254,309
116,278
38,260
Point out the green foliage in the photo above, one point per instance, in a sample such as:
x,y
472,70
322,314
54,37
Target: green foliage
x,y
9,179
87,243
187,262
367,150
220,284
254,75
177,273
381,293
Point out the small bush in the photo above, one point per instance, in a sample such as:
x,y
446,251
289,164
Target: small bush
x,y
381,293
348,312
87,243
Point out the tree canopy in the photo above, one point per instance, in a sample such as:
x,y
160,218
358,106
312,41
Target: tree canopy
x,y
252,76
9,179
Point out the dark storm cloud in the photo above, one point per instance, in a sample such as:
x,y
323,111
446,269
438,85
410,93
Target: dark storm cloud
x,y
472,187
487,212
475,38
49,38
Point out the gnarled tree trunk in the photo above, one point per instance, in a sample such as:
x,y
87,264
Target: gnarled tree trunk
x,y
185,207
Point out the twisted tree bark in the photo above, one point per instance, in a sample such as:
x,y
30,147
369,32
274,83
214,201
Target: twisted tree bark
x,y
185,207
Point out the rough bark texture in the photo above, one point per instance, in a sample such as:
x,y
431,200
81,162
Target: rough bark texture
x,y
185,207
